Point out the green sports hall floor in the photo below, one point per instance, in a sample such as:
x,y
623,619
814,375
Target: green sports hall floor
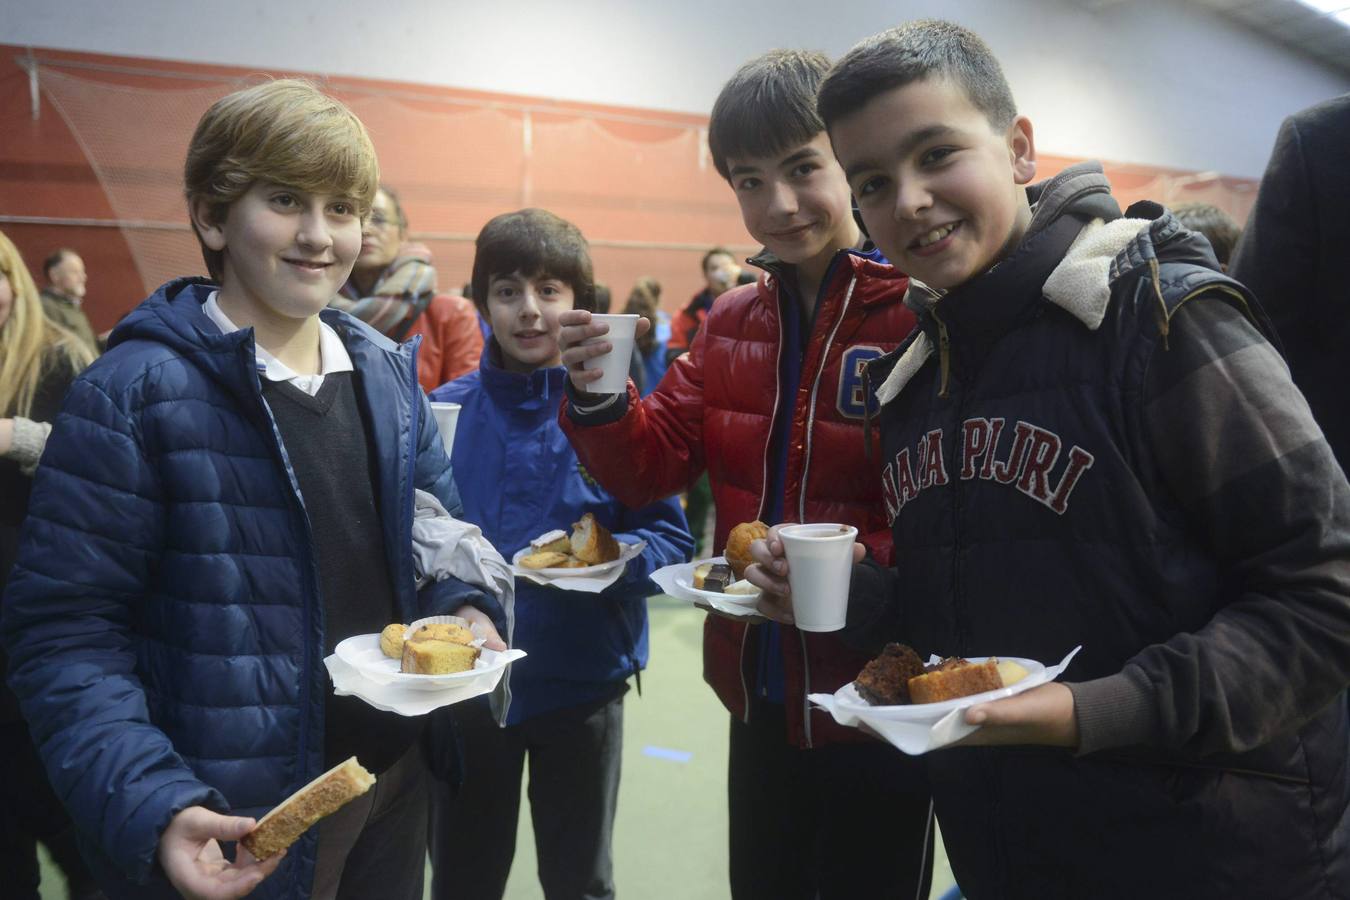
x,y
671,835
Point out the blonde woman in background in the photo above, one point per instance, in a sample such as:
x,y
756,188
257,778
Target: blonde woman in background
x,y
38,361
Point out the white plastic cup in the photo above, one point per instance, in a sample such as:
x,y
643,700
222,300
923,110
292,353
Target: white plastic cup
x,y
820,567
447,416
615,363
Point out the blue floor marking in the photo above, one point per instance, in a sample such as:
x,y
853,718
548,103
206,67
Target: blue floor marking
x,y
679,756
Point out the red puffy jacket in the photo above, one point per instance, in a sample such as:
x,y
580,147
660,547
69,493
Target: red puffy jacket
x,y
715,409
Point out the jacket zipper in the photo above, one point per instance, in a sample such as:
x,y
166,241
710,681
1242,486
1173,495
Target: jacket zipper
x,y
801,495
944,353
815,390
409,495
310,595
764,481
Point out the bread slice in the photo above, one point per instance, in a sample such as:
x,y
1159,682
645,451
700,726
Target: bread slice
x,y
592,543
955,678
545,559
437,658
323,796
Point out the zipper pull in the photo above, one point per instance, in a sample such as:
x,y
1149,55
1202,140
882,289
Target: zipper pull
x,y
944,354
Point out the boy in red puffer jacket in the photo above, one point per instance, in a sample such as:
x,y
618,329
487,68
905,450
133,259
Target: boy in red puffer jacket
x,y
770,401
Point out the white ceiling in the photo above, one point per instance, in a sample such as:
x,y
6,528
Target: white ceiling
x,y
1315,34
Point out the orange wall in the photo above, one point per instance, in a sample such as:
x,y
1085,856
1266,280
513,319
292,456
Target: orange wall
x,y
458,157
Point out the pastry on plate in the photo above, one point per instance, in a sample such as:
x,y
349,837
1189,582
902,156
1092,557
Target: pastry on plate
x,y
437,658
391,640
443,631
545,559
953,678
592,543
885,680
555,541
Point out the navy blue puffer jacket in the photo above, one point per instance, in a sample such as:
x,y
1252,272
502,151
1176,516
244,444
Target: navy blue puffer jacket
x,y
163,621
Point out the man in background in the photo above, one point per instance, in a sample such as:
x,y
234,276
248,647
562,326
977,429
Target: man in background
x,y
63,297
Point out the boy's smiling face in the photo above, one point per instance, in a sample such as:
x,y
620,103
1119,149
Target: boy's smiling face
x,y
795,203
524,314
939,189
287,252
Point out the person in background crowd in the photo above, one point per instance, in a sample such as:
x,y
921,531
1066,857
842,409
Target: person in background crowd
x,y
63,297
38,360
1216,225
1295,256
721,273
603,298
393,289
649,356
520,478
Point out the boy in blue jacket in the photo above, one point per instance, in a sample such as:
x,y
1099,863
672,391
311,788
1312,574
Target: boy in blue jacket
x,y
520,479
227,494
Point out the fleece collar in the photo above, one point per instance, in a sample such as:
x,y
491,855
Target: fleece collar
x,y
1080,285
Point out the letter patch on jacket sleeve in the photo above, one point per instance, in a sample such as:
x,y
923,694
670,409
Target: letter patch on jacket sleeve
x,y
851,403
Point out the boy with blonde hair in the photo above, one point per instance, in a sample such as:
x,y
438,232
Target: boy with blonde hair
x,y
226,494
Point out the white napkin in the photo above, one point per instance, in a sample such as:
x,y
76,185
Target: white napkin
x,y
917,734
588,584
393,698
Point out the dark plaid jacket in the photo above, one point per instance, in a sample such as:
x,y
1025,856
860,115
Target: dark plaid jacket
x,y
1094,444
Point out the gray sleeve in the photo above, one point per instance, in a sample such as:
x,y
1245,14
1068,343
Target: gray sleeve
x,y
1237,446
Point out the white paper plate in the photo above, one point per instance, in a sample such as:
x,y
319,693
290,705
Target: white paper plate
x,y
685,582
363,654
678,582
626,552
921,727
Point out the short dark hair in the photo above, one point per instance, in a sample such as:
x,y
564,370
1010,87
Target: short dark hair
x,y
55,259
768,107
915,51
533,242
716,251
1216,225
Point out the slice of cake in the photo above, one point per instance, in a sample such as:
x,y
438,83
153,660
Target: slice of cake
x,y
954,678
437,658
323,796
555,541
885,680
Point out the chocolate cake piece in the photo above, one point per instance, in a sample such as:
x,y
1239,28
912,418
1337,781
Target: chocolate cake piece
x,y
718,578
885,680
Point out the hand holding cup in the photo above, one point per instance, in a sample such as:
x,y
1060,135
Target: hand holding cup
x,y
582,339
770,572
